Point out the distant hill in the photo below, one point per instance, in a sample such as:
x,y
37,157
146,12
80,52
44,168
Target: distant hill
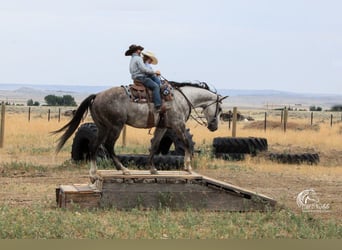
x,y
20,93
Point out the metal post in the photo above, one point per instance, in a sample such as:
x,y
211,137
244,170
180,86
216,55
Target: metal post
x,y
59,114
331,120
48,115
311,118
234,121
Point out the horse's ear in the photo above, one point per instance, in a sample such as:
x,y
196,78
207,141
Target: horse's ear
x,y
222,98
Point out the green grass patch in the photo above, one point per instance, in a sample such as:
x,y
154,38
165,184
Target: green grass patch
x,y
7,169
39,222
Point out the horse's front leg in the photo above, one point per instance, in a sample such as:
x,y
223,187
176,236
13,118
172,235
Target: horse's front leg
x,y
92,171
180,131
158,135
187,159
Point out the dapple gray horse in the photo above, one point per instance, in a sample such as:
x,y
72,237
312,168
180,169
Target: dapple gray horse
x,y
112,109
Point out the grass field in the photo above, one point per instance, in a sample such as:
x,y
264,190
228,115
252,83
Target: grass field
x,y
30,172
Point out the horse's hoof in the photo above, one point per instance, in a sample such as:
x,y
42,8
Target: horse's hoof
x,y
154,171
188,170
126,172
93,179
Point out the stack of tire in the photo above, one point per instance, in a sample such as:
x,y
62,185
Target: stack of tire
x,y
286,158
232,148
229,148
164,160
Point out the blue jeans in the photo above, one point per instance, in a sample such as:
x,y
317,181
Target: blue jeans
x,y
155,78
154,86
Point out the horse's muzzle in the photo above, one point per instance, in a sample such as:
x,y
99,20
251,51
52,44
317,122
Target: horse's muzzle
x,y
212,126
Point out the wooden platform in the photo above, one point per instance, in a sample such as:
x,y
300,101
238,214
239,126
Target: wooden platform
x,y
173,189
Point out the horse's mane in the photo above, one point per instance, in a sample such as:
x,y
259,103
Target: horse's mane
x,y
198,84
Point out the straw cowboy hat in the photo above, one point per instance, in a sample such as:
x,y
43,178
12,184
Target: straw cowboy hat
x,y
149,54
133,48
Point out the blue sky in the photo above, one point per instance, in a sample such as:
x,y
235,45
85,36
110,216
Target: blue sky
x,y
282,45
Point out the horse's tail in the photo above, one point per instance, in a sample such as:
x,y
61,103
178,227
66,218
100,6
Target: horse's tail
x,y
71,126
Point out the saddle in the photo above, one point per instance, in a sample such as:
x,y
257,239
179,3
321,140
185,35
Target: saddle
x,y
141,94
138,93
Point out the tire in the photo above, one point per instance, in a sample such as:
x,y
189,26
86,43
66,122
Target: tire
x,y
85,134
80,146
170,138
308,158
241,145
161,162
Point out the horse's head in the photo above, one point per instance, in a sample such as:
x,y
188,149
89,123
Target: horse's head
x,y
211,112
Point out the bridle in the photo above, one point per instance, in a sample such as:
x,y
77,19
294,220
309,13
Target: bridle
x,y
199,119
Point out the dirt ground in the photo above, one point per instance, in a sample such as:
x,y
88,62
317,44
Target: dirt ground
x,y
285,185
281,182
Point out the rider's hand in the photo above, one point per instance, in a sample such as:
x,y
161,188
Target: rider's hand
x,y
157,72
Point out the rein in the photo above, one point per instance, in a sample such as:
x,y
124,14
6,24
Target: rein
x,y
199,119
201,122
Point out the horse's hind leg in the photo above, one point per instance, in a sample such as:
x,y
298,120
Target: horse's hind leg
x,y
158,135
93,147
109,145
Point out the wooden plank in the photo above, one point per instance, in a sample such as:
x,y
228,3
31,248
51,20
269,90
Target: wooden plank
x,y
135,174
151,188
67,189
197,198
235,189
104,173
86,188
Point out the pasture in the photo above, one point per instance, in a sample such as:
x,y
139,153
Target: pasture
x,y
30,171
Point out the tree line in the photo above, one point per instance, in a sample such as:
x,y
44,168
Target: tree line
x,y
53,100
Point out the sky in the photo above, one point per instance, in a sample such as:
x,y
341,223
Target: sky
x,y
292,45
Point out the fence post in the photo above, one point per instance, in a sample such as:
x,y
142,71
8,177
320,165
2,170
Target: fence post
x,y
2,124
265,122
311,118
29,114
331,120
48,115
59,114
286,113
124,136
281,117
234,121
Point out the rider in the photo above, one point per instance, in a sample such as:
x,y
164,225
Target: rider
x,y
141,73
149,58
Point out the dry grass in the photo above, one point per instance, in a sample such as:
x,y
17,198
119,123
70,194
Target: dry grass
x,y
25,141
30,170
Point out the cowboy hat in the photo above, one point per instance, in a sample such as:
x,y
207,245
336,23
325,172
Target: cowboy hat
x,y
149,54
133,48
